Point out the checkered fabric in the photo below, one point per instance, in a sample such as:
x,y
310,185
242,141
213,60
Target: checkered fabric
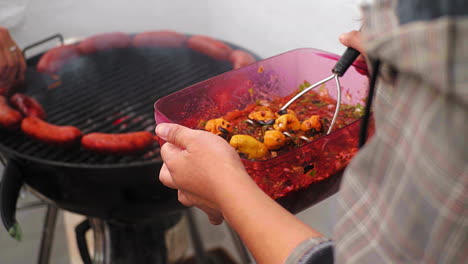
x,y
404,197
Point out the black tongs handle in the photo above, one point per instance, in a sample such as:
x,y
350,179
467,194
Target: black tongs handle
x,y
345,61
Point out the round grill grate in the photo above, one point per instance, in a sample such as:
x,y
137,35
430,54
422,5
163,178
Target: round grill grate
x,y
113,92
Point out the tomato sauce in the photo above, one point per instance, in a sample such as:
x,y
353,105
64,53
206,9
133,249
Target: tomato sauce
x,y
298,163
310,104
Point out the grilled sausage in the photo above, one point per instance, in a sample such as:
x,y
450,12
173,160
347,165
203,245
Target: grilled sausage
x,y
27,105
9,118
118,144
240,58
209,46
167,39
116,40
55,58
51,134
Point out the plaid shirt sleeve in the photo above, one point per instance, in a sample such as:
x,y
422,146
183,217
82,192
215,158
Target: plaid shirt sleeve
x,y
404,197
313,250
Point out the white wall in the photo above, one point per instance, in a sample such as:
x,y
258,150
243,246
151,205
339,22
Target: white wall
x,y
267,27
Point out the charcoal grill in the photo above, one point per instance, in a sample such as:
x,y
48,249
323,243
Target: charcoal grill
x,y
111,91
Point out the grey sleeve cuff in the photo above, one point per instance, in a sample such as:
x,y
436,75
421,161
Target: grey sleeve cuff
x,y
313,250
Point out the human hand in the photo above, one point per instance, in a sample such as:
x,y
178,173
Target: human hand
x,y
202,166
209,174
353,39
12,63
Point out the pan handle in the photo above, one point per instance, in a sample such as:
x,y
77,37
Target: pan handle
x,y
349,56
56,36
10,187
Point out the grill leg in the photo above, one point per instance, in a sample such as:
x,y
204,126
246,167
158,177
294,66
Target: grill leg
x,y
197,243
102,251
48,234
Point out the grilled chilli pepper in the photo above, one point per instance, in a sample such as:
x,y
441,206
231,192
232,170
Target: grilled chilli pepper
x,y
274,139
287,122
312,123
249,146
262,113
218,126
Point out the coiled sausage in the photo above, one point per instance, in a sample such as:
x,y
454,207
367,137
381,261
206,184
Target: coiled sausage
x,y
210,46
167,39
55,58
240,58
115,40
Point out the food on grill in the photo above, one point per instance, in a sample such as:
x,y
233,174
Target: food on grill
x,y
27,105
9,118
45,132
209,46
118,144
169,39
287,122
240,58
115,40
55,58
248,146
259,132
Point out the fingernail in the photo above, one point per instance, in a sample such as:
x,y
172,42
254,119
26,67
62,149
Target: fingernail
x,y
342,37
162,130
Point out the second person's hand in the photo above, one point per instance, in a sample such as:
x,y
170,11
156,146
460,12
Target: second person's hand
x,y
12,63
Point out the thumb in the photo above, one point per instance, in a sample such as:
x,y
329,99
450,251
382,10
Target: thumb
x,y
352,39
176,134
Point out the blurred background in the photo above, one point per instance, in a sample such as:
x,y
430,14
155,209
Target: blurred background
x,y
265,27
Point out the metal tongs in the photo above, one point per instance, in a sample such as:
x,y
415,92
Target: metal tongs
x,y
338,70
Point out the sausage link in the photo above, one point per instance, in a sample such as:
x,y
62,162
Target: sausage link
x,y
55,58
209,46
167,39
118,144
240,58
27,105
9,118
115,40
40,130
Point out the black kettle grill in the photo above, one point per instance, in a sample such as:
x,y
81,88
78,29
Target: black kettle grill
x,y
111,91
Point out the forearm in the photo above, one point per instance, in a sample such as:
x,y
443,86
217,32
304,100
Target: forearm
x,y
268,230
